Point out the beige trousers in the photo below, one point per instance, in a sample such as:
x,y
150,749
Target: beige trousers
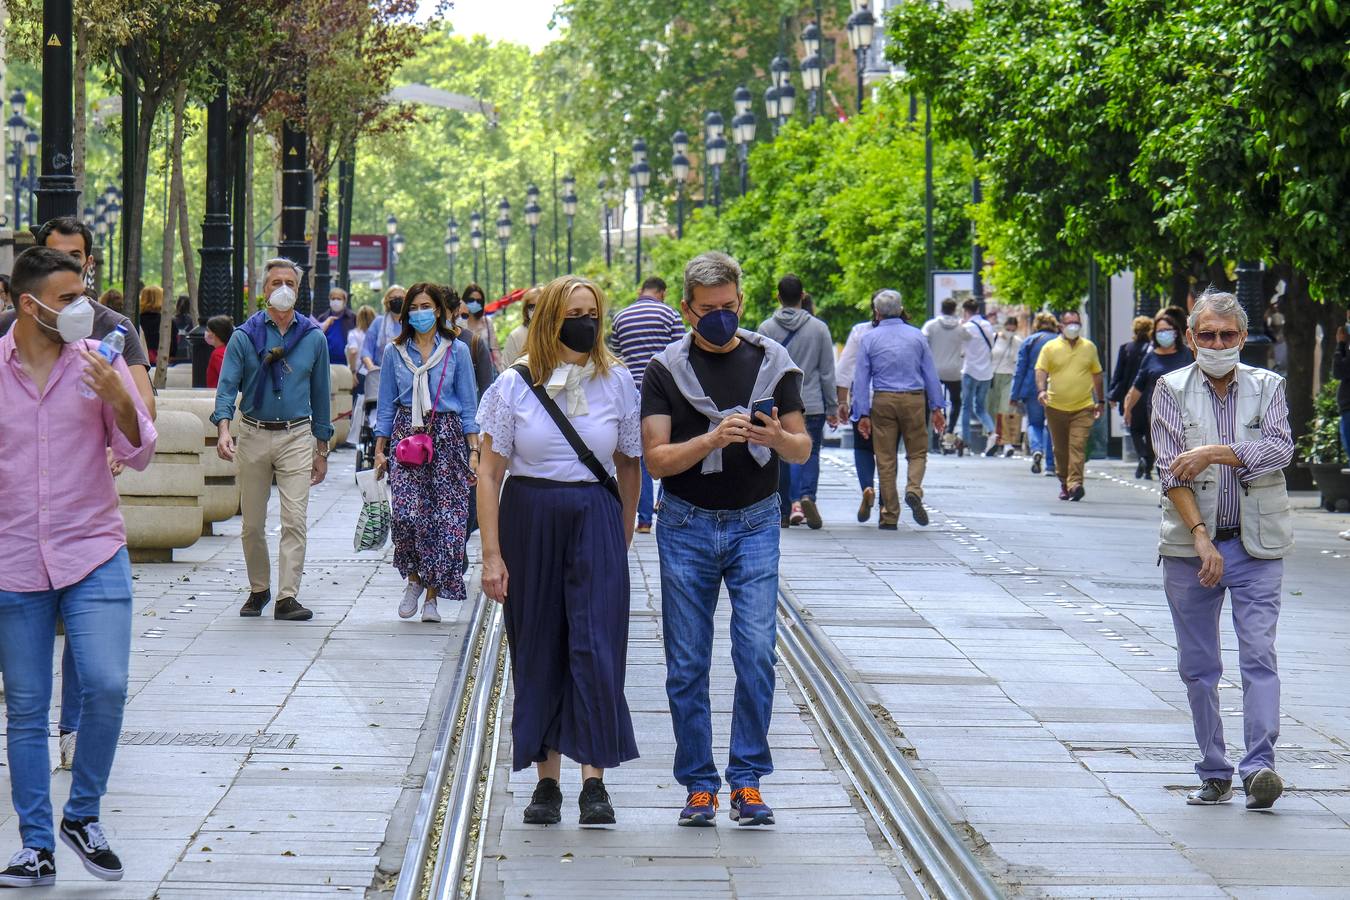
x,y
899,417
289,456
1069,432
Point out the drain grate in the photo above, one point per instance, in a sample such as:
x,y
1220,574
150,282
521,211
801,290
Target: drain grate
x,y
207,739
888,565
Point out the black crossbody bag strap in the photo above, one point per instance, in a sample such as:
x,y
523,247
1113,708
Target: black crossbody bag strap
x,y
583,452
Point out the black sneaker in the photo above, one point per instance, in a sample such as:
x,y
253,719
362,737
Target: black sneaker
x,y
545,805
253,606
29,868
1213,791
1263,789
1077,494
86,838
594,802
916,507
1036,462
289,610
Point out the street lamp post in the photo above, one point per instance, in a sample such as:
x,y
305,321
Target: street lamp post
x,y
504,235
861,28
772,101
400,244
603,187
639,175
570,209
30,149
114,212
475,239
215,292
679,167
715,151
532,214
743,132
56,191
452,245
813,67
391,230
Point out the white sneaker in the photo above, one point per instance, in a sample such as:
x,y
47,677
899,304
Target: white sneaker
x,y
1345,535
67,744
430,613
408,608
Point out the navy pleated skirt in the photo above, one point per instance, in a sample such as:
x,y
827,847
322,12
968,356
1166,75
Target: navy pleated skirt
x,y
566,616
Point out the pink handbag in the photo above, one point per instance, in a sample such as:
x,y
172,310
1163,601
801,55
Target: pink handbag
x,y
417,448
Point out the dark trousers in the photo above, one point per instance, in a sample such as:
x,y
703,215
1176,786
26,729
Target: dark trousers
x,y
954,395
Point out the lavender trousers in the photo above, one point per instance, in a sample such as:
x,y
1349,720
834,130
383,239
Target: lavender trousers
x,y
1254,585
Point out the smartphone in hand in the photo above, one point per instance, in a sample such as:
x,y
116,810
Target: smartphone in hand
x,y
762,407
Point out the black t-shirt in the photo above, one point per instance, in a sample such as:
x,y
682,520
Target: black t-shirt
x,y
1154,367
729,379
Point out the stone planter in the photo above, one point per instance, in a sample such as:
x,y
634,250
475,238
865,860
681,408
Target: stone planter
x,y
177,377
221,500
162,506
1331,479
341,381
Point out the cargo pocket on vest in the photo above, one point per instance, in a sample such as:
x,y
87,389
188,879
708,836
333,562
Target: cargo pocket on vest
x,y
1277,527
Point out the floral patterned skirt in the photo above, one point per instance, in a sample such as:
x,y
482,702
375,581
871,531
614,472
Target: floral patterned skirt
x,y
430,506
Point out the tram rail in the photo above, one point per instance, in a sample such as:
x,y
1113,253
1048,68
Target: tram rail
x,y
444,853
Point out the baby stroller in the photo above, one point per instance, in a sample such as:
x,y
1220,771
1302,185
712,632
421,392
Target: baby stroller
x,y
365,447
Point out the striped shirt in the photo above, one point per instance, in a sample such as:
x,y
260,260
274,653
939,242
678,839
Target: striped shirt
x,y
1271,453
643,330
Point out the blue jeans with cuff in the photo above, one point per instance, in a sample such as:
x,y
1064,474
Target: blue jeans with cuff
x,y
646,498
97,613
799,480
975,401
700,549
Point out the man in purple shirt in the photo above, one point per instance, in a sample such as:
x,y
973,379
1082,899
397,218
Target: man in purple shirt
x,y
64,407
895,388
1221,432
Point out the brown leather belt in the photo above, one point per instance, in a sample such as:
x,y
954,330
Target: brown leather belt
x,y
275,425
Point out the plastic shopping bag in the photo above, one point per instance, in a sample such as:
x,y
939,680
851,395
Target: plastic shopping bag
x,y
372,525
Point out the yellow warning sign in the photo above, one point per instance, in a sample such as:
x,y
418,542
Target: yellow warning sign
x,y
293,152
53,41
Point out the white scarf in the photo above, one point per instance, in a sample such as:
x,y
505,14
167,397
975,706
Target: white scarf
x,y
570,379
421,388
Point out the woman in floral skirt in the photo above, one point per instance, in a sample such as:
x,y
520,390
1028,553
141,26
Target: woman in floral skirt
x,y
428,386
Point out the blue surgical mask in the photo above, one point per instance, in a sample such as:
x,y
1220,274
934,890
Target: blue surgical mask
x,y
718,327
423,320
475,307
1165,338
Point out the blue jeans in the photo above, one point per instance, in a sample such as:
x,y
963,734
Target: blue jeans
x,y
1345,433
864,460
1038,435
701,548
975,400
97,613
798,480
647,497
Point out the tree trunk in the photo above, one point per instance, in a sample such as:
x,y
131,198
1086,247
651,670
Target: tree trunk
x,y
1300,323
250,276
133,212
184,223
1330,316
171,219
81,103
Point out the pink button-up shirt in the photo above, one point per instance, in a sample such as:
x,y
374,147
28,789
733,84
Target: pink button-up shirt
x,y
58,505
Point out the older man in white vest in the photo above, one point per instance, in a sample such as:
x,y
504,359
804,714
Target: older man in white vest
x,y
1222,434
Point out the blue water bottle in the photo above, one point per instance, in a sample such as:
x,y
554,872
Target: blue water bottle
x,y
110,348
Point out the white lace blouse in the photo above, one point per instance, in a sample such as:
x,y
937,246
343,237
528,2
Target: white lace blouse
x,y
524,433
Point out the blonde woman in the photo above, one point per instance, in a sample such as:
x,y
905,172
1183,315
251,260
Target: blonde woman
x,y
555,545
152,310
515,341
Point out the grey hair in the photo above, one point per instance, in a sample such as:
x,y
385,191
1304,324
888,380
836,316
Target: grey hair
x,y
888,304
710,269
279,262
1221,303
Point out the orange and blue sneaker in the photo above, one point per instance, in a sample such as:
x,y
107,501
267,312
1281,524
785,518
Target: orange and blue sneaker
x,y
700,810
749,808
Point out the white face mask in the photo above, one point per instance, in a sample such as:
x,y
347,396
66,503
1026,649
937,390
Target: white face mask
x,y
1217,363
336,305
74,323
1073,331
282,299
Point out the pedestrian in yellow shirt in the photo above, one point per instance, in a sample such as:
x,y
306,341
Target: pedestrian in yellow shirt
x,y
1069,385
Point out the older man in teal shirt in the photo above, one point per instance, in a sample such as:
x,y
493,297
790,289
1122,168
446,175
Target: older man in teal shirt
x,y
279,362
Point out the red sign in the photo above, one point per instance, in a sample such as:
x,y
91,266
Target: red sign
x,y
368,252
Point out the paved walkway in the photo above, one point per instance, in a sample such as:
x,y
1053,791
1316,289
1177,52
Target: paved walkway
x,y
1024,648
264,758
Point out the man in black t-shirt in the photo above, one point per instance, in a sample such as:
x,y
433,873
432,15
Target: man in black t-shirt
x,y
718,465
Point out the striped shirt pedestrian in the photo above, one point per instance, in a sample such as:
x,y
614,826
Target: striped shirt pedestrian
x,y
643,330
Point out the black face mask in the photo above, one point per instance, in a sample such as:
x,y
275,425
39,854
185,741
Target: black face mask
x,y
396,306
579,334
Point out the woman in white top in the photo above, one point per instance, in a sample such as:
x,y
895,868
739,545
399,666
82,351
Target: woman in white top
x,y
555,545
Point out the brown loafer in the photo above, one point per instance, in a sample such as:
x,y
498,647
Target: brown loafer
x,y
289,610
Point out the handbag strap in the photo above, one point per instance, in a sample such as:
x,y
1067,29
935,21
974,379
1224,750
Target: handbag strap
x,y
445,364
580,447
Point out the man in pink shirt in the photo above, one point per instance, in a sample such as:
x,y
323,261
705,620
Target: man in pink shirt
x,y
62,522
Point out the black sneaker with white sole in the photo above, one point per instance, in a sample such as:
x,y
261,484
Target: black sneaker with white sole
x,y
1263,788
1212,792
86,838
29,868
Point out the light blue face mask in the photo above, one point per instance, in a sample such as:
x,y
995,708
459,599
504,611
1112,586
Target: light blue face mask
x,y
422,320
1165,338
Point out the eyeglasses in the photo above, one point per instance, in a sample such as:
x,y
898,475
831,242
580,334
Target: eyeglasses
x,y
1224,338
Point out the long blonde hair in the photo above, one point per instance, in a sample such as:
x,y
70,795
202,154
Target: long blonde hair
x,y
543,349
